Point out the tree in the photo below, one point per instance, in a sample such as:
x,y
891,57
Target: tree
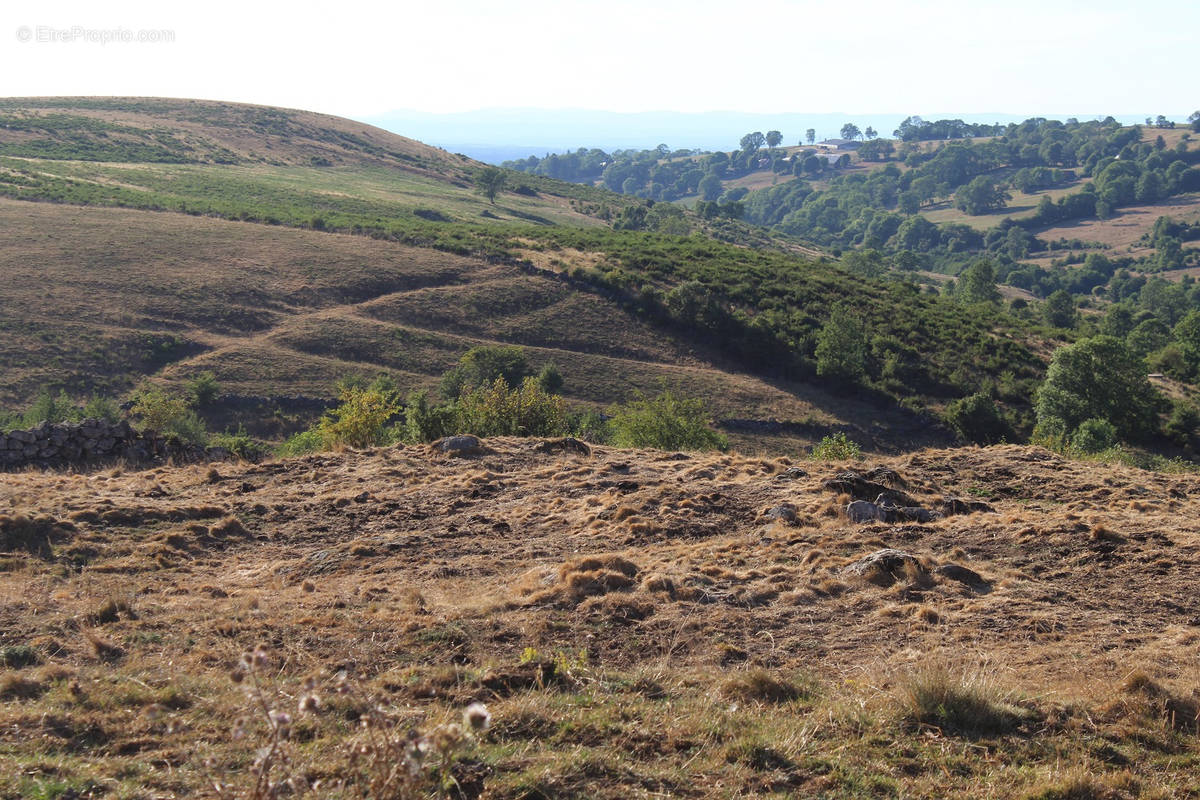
x,y
1098,378
1060,309
482,365
870,132
753,142
490,182
981,195
850,131
710,187
1187,336
773,139
811,134
977,284
842,347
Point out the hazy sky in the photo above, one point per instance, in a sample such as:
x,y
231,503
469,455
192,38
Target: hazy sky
x,y
1069,57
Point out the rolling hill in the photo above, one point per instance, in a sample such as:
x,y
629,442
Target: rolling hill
x,y
167,238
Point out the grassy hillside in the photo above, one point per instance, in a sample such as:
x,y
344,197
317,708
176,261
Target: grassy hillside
x,y
162,130
636,622
273,311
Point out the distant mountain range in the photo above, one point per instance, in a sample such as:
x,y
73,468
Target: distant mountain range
x,y
499,134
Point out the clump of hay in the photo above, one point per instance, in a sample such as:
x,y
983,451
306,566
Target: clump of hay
x,y
581,578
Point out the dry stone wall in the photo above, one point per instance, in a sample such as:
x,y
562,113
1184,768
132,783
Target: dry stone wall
x,y
94,441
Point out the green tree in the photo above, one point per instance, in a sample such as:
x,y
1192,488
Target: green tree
x,y
710,187
773,139
870,132
811,135
1060,309
1097,378
490,181
752,142
850,131
977,283
981,195
480,366
1187,336
842,347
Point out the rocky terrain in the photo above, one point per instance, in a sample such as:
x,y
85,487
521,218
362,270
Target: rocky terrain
x,y
639,623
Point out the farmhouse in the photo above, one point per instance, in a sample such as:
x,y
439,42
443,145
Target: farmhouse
x,y
839,144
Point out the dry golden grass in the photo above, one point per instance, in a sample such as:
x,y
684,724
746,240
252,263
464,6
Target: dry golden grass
x,y
632,619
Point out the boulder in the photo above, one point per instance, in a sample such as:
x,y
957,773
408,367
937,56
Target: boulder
x,y
955,505
957,572
460,446
783,513
860,488
885,567
567,444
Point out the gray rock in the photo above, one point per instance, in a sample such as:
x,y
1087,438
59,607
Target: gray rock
x,y
957,572
567,444
791,474
460,446
885,567
783,513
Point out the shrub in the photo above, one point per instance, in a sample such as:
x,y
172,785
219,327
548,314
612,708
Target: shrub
x,y
481,366
591,426
497,410
1094,436
665,422
977,419
361,419
169,413
239,443
302,443
426,423
49,408
955,700
100,407
837,447
203,390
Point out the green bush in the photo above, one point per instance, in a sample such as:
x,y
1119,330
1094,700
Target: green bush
x,y
104,408
591,426
481,366
1094,436
977,419
203,390
427,423
361,419
301,444
49,408
169,414
497,410
239,443
837,447
665,422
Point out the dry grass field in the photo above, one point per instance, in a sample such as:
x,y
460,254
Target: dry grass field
x,y
638,623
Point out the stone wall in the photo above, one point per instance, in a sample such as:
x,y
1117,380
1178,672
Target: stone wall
x,y
93,441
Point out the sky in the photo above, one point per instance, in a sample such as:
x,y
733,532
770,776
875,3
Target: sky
x,y
1033,57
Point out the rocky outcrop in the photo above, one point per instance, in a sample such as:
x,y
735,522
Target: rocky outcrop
x,y
93,441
